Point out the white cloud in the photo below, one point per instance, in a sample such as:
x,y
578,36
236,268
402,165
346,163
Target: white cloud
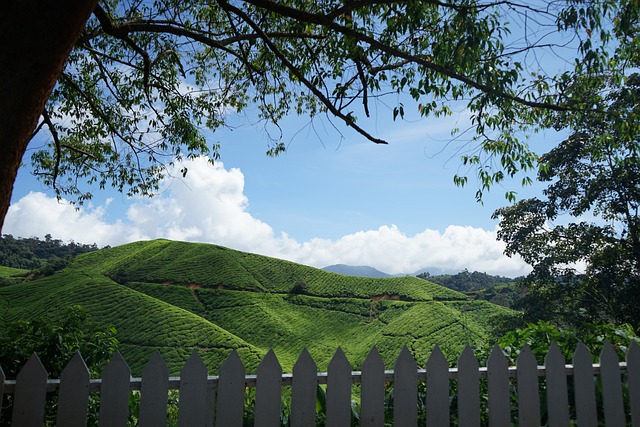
x,y
36,215
209,205
391,251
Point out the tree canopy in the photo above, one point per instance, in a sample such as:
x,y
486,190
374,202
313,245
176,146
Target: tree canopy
x,y
142,81
583,238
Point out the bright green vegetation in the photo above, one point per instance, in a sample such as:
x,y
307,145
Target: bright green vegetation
x,y
143,323
211,266
12,272
11,276
177,297
32,253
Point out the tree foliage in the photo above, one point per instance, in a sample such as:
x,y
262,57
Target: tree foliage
x,y
56,342
145,79
465,281
32,253
585,269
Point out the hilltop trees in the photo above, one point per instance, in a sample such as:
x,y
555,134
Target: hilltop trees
x,y
33,253
119,88
586,267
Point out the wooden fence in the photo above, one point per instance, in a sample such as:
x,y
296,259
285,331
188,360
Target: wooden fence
x,y
581,391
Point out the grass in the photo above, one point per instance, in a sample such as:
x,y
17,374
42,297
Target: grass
x,y
177,297
11,276
12,272
142,322
211,266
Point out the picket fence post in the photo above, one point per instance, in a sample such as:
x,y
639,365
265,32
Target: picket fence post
x,y
30,394
230,392
557,393
372,390
405,390
613,405
268,391
584,387
528,398
114,394
154,392
73,399
498,385
468,389
339,390
437,389
303,391
193,393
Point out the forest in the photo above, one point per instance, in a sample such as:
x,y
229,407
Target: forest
x,y
31,253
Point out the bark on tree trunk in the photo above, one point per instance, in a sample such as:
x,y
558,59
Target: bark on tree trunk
x,y
36,37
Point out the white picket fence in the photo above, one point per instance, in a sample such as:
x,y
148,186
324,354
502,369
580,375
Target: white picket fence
x,y
218,400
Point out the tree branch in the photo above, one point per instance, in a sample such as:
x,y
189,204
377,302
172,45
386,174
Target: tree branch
x,y
298,74
326,21
111,29
56,141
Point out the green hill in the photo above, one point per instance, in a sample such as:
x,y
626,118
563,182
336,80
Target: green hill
x,y
176,297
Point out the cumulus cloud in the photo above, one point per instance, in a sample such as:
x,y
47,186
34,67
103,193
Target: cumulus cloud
x,y
36,215
209,205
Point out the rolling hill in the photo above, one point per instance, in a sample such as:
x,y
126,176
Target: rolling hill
x,y
176,297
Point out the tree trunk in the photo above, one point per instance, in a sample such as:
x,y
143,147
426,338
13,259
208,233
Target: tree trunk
x,y
36,37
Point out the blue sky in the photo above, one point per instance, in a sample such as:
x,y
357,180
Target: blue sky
x,y
332,197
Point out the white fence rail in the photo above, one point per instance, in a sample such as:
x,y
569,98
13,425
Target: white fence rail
x,y
219,400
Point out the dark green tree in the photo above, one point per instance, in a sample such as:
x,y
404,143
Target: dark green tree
x,y
122,88
583,238
55,343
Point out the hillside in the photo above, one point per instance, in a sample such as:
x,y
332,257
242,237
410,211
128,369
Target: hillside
x,y
10,275
177,296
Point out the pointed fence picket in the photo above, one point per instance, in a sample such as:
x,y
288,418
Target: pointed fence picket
x,y
339,390
303,391
372,394
74,393
584,388
193,392
528,397
468,389
30,394
268,389
557,394
498,384
613,405
198,406
114,393
230,392
437,389
154,391
405,391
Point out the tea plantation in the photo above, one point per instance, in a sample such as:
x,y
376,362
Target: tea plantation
x,y
177,297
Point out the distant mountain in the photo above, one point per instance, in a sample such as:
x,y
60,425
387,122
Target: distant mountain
x,y
367,271
359,271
